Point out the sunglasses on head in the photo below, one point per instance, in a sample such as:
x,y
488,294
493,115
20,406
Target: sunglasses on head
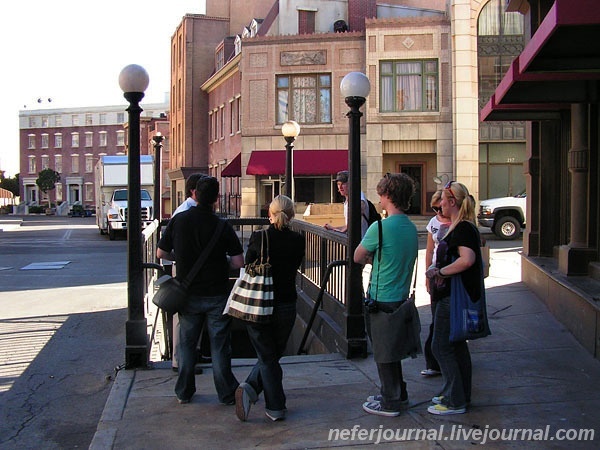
x,y
448,188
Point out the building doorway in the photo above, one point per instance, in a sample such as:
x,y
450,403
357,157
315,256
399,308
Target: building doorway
x,y
269,189
415,171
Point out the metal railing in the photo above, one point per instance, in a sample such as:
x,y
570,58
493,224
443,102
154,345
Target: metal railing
x,y
323,247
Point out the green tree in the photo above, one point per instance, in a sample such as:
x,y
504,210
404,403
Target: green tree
x,y
10,184
47,180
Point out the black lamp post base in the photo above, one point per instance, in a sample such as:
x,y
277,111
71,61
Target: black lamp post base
x,y
136,348
357,348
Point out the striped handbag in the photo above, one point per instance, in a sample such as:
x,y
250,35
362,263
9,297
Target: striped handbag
x,y
251,298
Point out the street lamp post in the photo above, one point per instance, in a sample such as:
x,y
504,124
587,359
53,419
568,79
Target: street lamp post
x,y
355,87
133,80
158,139
290,131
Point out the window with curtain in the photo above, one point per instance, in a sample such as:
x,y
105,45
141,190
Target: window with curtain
x,y
304,98
58,163
32,164
409,86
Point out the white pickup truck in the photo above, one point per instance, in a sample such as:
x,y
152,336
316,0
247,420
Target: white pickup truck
x,y
504,215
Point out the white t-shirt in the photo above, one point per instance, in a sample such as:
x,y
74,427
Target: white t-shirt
x,y
364,208
437,230
187,204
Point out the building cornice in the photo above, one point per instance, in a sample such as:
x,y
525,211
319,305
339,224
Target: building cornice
x,y
301,38
226,72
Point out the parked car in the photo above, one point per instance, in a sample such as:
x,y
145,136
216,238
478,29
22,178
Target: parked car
x,y
504,215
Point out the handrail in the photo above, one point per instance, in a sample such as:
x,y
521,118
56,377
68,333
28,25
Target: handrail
x,y
317,305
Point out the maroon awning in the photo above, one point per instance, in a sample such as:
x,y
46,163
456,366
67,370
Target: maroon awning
x,y
559,65
305,162
234,168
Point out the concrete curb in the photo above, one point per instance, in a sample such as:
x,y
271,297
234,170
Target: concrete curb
x,y
106,432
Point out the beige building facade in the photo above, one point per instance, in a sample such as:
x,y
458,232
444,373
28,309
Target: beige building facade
x,y
421,117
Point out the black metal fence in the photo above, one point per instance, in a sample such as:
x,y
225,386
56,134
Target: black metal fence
x,y
329,324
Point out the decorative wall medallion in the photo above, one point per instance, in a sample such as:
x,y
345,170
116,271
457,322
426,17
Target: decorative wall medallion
x,y
408,42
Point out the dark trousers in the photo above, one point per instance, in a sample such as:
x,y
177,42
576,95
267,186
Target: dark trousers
x,y
430,361
269,340
198,309
393,387
454,359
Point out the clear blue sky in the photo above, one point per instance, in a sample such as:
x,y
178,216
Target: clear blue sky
x,y
72,52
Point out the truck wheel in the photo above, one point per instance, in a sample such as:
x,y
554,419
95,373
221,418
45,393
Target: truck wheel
x,y
111,234
507,228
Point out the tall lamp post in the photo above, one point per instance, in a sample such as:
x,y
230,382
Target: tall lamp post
x,y
134,80
290,131
158,139
355,87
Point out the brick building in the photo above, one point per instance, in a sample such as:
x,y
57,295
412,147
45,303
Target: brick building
x,y
70,141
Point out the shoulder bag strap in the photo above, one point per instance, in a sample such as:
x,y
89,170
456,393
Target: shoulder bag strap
x,y
265,236
202,258
414,285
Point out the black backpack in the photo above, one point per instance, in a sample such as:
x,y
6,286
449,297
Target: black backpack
x,y
374,215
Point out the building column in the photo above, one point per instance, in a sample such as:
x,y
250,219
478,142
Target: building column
x,y
574,257
465,110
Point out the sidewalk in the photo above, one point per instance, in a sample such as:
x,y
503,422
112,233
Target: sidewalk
x,y
529,374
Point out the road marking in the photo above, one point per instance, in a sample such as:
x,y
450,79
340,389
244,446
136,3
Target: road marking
x,y
50,265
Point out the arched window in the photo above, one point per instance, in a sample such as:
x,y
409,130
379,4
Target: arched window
x,y
499,40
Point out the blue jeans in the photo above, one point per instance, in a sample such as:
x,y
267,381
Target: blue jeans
x,y
219,331
453,357
269,340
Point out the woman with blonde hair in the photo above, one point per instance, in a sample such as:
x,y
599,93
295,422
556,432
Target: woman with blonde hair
x,y
286,252
458,253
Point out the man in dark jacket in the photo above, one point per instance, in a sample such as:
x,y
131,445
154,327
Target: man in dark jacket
x,y
187,234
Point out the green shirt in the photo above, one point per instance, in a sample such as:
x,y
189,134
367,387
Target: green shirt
x,y
390,280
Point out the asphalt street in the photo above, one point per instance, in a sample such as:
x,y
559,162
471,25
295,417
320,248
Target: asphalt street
x,y
62,314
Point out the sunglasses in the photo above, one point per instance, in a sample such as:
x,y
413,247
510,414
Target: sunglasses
x,y
437,209
448,188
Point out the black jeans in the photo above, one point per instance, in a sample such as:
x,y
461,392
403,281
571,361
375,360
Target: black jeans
x,y
454,359
269,340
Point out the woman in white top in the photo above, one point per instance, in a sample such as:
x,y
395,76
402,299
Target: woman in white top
x,y
436,229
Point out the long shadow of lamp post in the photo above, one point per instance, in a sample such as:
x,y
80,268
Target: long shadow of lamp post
x,y
134,80
355,87
290,131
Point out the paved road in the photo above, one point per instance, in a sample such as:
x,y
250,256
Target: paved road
x,y
61,330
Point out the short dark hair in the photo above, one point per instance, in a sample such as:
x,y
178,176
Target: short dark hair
x,y
342,176
207,190
190,183
399,187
